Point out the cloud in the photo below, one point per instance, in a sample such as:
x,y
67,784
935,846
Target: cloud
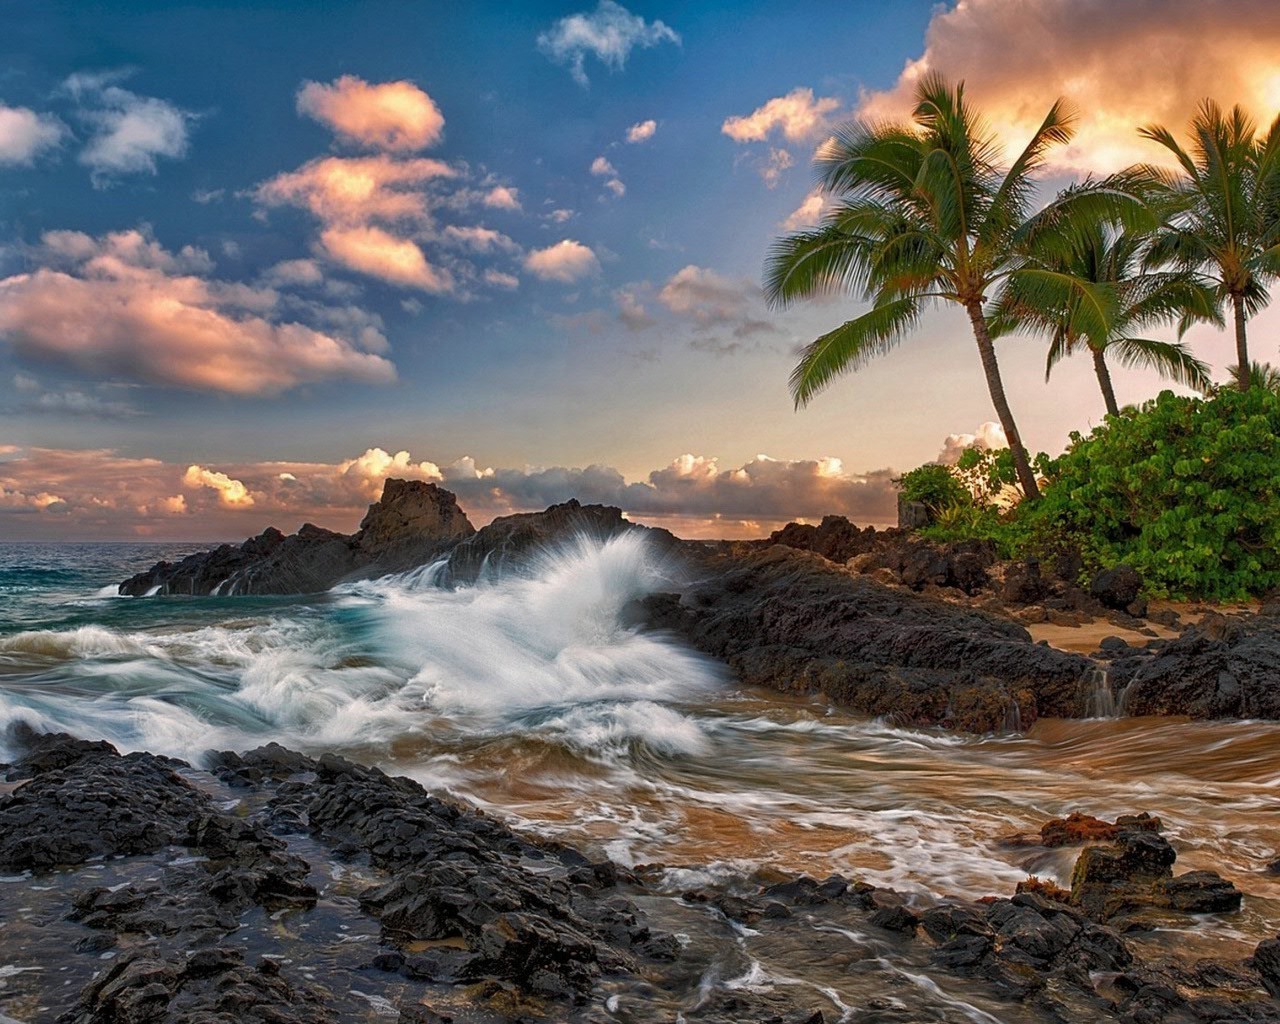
x,y
393,116
481,239
124,306
631,311
71,401
797,116
25,135
602,168
714,303
1121,66
231,493
96,493
808,213
499,279
609,33
988,435
356,190
129,133
399,261
704,295
295,273
642,131
502,197
566,261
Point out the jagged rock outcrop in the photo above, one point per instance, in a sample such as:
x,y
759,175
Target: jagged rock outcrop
x,y
512,543
410,524
1221,667
791,621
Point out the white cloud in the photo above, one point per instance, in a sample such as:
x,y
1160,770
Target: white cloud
x,y
129,133
642,131
230,492
122,305
25,135
601,167
396,116
988,435
609,33
797,116
808,213
566,261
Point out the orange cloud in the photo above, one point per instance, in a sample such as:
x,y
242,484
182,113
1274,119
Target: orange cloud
x,y
122,305
57,492
356,190
1121,64
389,115
380,254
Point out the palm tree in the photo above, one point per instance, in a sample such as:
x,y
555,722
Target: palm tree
x,y
1225,198
923,213
1087,287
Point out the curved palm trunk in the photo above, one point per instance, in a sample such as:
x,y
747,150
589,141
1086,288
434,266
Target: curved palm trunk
x,y
1104,382
987,351
1242,344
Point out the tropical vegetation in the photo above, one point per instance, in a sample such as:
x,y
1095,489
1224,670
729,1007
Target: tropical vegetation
x,y
1185,488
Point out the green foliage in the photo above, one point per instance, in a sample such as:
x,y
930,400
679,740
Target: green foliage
x,y
934,486
1186,490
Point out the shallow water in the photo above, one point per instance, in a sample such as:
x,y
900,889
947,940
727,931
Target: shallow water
x,y
535,698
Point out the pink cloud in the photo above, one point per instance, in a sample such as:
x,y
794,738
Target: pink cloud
x,y
566,261
380,254
395,116
122,305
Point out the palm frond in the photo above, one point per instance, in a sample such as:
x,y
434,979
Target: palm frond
x,y
851,345
1170,359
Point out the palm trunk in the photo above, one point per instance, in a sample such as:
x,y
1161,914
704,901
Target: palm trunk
x,y
1242,344
1104,382
994,384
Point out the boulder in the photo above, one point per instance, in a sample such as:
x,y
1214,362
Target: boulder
x,y
410,524
1220,667
1117,587
791,621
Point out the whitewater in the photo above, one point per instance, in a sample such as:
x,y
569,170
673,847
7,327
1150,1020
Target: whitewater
x,y
539,697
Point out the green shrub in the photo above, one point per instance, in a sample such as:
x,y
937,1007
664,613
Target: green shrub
x,y
1186,490
934,486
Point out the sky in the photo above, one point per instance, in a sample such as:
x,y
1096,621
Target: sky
x,y
256,258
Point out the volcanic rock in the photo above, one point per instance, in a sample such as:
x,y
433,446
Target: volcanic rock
x,y
410,524
791,621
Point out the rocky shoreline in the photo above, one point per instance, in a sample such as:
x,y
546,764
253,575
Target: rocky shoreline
x,y
271,886
881,622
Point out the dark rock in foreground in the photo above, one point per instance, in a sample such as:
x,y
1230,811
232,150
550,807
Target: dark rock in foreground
x,y
455,917
1221,667
412,523
791,621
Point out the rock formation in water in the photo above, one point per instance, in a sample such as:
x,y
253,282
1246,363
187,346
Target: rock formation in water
x,y
792,621
412,523
1221,667
278,887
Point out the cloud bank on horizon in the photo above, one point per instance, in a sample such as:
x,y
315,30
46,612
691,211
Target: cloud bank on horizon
x,y
585,234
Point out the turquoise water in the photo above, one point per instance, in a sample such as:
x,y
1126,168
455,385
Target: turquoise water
x,y
532,697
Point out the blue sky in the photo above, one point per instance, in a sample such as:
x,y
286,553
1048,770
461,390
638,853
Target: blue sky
x,y
156,138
